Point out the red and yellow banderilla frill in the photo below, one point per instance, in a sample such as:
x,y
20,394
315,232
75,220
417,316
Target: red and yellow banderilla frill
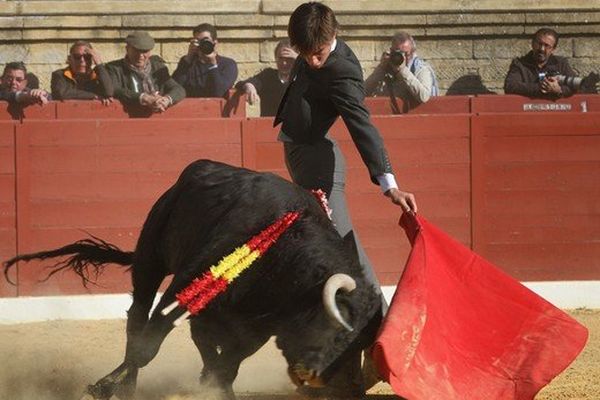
x,y
204,289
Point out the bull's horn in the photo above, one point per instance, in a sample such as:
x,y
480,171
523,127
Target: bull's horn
x,y
333,284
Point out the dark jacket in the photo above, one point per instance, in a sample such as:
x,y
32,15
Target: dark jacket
x,y
129,92
64,86
315,99
269,88
200,80
7,95
523,76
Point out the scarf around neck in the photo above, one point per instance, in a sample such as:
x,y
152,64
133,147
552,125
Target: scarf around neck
x,y
145,76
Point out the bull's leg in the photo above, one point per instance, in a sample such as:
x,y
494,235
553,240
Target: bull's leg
x,y
147,275
223,348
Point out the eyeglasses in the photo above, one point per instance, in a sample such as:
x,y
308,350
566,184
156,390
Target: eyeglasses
x,y
10,79
79,57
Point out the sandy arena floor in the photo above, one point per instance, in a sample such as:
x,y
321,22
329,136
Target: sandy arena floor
x,y
56,360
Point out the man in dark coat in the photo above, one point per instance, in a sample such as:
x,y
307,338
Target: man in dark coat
x,y
269,85
141,78
536,74
16,88
202,71
85,77
327,82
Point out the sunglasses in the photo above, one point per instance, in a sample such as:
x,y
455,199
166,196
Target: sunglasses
x,y
79,57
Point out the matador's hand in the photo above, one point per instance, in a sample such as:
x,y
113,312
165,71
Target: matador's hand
x,y
405,200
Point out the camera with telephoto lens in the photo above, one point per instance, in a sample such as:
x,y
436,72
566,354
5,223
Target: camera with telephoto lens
x,y
205,45
396,57
573,82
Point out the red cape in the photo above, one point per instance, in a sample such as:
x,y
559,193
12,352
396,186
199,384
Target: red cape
x,y
459,328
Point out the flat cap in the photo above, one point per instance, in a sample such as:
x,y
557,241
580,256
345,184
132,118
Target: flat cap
x,y
141,40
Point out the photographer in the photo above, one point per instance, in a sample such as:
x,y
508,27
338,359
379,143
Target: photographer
x,y
409,77
539,73
85,77
203,72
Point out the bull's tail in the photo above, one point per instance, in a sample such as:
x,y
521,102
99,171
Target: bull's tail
x,y
85,253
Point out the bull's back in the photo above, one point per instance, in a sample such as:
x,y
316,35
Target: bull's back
x,y
214,208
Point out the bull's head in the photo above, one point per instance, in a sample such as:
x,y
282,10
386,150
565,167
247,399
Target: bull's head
x,y
321,339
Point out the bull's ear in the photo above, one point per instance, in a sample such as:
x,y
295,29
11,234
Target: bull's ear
x,y
350,244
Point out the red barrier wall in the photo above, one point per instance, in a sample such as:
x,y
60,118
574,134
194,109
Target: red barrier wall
x,y
102,177
435,105
516,104
10,112
81,109
187,108
8,232
431,157
536,194
522,189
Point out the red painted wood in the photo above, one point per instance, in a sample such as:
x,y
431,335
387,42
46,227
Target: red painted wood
x,y
22,170
536,194
12,112
547,261
522,189
187,108
431,157
8,232
515,104
380,105
435,105
235,105
103,176
444,105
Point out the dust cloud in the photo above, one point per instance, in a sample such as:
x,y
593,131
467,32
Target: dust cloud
x,y
56,360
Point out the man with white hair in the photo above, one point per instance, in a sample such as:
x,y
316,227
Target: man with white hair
x,y
411,79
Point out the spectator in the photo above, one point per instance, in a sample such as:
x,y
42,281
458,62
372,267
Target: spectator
x,y
411,79
85,77
143,78
269,85
536,73
14,87
203,72
32,81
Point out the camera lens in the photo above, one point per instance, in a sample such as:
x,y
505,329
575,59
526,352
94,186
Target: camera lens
x,y
396,57
206,46
573,82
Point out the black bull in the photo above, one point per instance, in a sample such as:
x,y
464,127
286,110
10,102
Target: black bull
x,y
212,209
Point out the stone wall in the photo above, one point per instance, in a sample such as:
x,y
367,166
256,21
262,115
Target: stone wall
x,y
470,43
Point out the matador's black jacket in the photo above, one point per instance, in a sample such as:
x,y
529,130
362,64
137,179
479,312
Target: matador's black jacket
x,y
316,97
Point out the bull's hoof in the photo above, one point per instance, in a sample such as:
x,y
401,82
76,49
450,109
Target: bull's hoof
x,y
99,392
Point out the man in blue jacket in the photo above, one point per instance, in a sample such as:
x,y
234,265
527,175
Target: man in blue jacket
x,y
202,71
